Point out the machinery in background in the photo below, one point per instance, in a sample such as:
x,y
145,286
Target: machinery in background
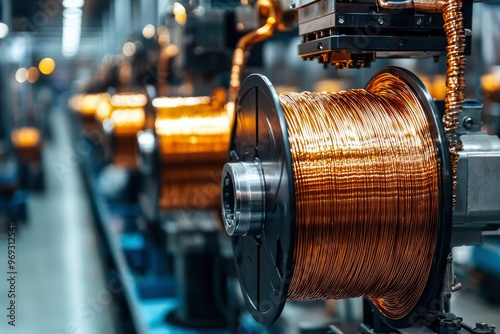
x,y
22,133
264,195
173,252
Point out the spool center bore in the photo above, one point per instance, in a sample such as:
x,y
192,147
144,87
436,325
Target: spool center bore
x,y
229,204
243,198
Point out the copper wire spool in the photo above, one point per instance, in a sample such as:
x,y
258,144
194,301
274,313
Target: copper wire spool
x,y
357,196
126,116
366,188
86,105
193,136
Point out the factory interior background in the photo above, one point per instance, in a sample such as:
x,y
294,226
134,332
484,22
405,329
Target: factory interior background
x,y
117,119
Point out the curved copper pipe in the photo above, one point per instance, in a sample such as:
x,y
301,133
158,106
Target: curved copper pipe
x,y
240,55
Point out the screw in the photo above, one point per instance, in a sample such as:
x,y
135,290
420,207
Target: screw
x,y
402,42
341,20
419,21
320,46
468,122
292,5
380,21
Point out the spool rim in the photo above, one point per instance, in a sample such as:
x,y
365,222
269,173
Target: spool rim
x,y
429,300
264,262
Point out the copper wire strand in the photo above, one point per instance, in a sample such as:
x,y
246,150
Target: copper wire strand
x,y
366,187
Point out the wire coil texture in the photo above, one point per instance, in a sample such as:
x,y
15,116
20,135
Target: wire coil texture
x,y
366,183
193,135
455,79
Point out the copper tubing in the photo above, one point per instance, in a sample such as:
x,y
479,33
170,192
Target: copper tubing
x,y
367,193
455,53
193,136
240,55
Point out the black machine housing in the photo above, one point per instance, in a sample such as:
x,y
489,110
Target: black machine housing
x,y
352,33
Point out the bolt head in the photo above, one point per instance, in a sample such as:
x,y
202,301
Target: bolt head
x,y
468,122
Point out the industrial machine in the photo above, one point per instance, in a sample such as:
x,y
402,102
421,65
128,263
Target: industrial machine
x,y
363,192
181,156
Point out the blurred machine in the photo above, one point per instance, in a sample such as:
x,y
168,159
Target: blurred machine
x,y
363,192
22,132
157,197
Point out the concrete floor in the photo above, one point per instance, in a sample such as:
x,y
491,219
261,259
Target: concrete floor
x,y
60,283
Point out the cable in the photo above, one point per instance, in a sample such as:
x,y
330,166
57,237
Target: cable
x,y
367,195
455,79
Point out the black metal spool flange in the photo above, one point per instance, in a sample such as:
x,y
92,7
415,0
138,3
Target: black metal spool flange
x,y
265,262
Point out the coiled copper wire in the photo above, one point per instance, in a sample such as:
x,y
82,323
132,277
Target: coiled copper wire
x,y
455,80
193,136
127,116
366,186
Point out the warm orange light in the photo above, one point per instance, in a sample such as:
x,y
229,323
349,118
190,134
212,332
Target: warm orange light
x,y
126,112
104,108
128,121
86,104
129,100
25,137
180,13
490,82
47,66
32,75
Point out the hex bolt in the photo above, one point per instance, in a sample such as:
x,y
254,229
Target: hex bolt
x,y
468,122
380,21
320,46
419,21
341,20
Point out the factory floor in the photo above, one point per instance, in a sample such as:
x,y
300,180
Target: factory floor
x,y
60,280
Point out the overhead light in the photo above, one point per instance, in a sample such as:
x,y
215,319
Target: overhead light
x,y
47,66
72,27
72,14
32,75
21,75
148,31
129,49
73,3
180,15
4,30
